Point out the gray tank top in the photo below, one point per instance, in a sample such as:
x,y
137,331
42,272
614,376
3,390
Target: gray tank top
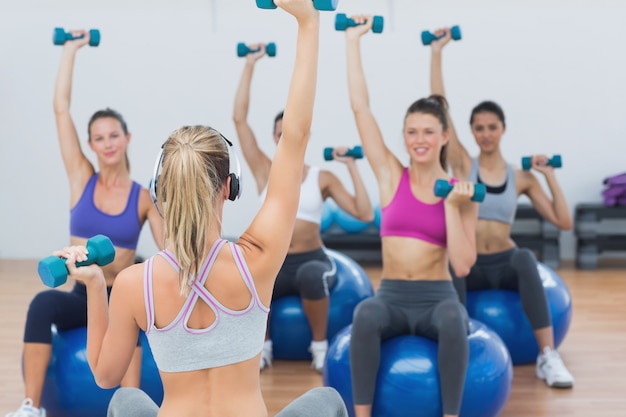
x,y
234,336
500,202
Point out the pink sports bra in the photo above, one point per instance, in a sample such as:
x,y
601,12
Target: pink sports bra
x,y
406,216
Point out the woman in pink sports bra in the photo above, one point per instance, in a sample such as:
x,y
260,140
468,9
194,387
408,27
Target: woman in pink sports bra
x,y
205,377
421,234
103,200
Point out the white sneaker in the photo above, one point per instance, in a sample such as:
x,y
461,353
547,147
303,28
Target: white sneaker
x,y
551,368
318,351
266,355
27,410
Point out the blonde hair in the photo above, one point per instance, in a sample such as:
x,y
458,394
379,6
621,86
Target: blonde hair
x,y
194,169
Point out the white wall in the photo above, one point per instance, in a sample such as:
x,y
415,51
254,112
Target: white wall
x,y
556,67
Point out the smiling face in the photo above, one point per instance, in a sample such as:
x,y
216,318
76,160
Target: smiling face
x,y
108,140
424,137
487,129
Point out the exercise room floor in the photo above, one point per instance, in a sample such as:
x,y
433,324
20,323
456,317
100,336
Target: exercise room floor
x,y
594,349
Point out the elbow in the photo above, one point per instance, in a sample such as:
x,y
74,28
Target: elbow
x,y
239,119
367,217
463,267
461,272
567,224
106,383
106,380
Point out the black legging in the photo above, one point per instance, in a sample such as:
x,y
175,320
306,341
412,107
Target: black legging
x,y
311,275
514,270
423,308
66,310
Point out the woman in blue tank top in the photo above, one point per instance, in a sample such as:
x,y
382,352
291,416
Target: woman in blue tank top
x,y
104,201
307,272
203,303
500,264
420,234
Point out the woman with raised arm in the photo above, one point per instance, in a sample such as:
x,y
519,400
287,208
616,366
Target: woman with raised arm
x,y
420,235
500,263
307,271
103,201
203,302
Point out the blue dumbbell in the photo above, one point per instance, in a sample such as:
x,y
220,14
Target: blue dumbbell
x,y
53,271
329,5
60,36
428,37
356,153
342,22
443,188
243,50
554,162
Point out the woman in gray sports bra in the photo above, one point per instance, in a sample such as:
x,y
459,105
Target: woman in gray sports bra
x,y
500,263
209,289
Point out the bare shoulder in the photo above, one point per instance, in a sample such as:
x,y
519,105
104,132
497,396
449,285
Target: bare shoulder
x,y
525,180
130,278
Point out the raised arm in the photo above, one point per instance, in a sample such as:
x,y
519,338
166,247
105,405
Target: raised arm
x,y
258,162
459,159
377,153
272,228
357,205
556,211
77,166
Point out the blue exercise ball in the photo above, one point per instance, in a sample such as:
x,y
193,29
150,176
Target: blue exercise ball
x,y
407,384
289,328
70,389
349,223
328,215
502,311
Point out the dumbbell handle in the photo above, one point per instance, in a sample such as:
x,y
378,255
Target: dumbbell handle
x,y
243,49
356,153
443,188
555,162
342,22
60,36
53,270
428,37
321,5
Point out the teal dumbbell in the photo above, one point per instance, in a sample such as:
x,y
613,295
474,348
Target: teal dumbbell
x,y
356,153
60,36
53,271
554,162
443,188
327,5
428,37
243,50
342,22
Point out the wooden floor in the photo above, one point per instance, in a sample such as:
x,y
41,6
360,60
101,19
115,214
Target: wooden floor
x,y
594,349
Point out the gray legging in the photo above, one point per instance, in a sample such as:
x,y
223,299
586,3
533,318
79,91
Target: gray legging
x,y
514,270
425,308
318,402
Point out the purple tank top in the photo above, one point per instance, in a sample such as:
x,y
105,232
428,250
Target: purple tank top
x,y
406,216
86,220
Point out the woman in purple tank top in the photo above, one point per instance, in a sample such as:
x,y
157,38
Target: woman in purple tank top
x,y
416,295
500,263
193,180
101,208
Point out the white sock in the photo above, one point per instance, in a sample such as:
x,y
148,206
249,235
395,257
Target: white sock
x,y
321,344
